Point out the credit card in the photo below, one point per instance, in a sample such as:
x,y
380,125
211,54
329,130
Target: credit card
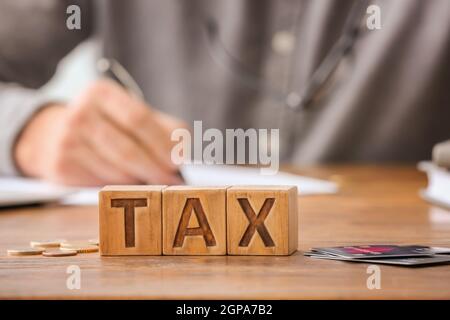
x,y
440,250
376,251
411,261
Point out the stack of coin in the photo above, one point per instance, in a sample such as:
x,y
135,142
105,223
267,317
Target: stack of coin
x,y
56,248
79,246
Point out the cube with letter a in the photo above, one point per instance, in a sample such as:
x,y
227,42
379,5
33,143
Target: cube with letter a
x,y
194,220
262,220
130,220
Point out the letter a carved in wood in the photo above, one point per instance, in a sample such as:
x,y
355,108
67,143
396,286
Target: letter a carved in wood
x,y
194,204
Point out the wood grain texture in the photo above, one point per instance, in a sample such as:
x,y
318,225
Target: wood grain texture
x,y
130,220
194,220
262,220
376,204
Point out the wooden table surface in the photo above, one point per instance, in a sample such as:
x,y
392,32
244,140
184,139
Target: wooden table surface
x,y
375,205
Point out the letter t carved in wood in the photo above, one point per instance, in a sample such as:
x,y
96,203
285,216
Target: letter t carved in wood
x,y
129,205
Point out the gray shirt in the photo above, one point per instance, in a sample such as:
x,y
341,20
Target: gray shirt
x,y
387,100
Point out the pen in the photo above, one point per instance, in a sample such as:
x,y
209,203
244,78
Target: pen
x,y
113,69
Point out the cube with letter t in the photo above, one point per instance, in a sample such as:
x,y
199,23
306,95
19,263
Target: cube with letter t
x,y
130,220
262,220
194,220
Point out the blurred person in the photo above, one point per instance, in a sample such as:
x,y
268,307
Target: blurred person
x,y
338,91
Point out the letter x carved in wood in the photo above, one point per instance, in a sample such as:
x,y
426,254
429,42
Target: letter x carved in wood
x,y
256,222
129,205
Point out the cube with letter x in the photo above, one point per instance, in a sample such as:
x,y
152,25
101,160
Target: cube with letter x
x,y
262,220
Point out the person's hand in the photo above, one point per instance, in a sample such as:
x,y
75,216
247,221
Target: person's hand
x,y
104,136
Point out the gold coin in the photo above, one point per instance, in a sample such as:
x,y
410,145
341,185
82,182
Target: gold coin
x,y
59,253
24,251
46,244
76,244
84,249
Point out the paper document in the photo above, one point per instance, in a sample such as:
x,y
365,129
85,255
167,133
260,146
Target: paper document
x,y
17,191
21,191
233,175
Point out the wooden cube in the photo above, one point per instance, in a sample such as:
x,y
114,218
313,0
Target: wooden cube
x,y
130,220
194,220
262,220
